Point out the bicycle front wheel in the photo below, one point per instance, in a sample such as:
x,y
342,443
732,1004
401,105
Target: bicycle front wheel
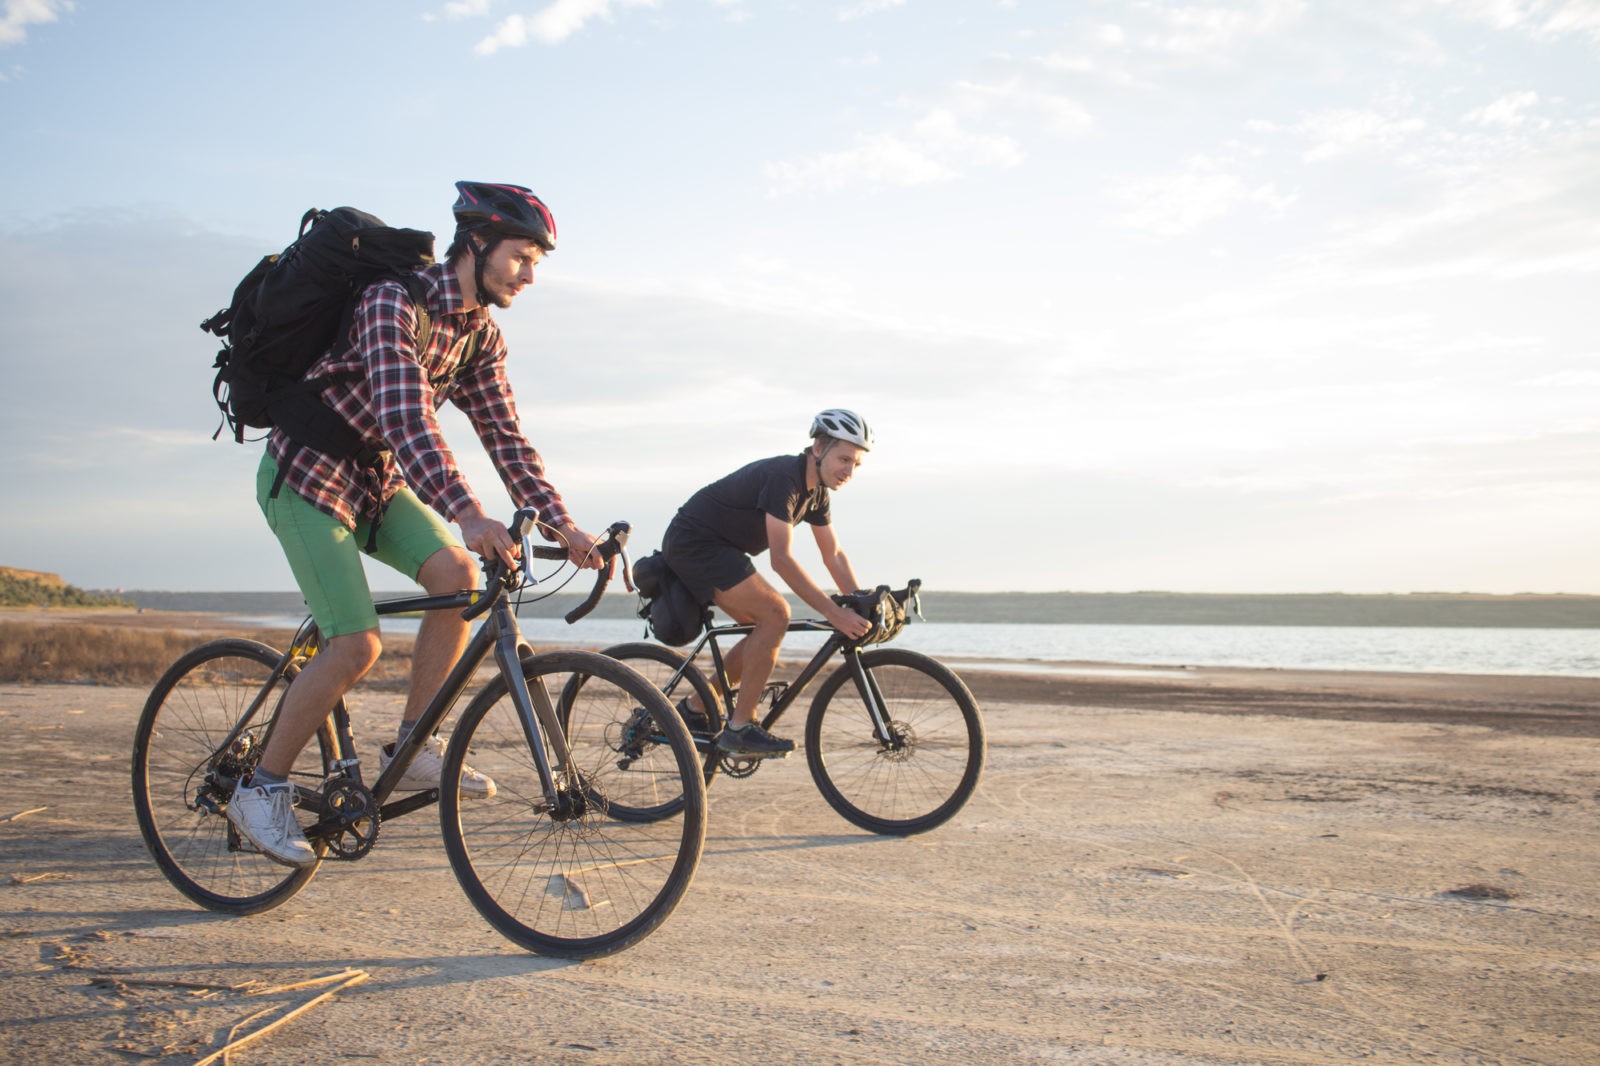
x,y
926,768
562,874
183,776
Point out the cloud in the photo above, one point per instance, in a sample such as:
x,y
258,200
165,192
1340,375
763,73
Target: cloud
x,y
1012,100
938,148
1576,16
553,23
1342,131
867,7
18,15
1203,192
461,9
1508,111
1529,214
1544,20
1207,29
975,125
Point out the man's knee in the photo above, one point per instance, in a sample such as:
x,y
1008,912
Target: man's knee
x,y
354,653
770,613
448,570
774,611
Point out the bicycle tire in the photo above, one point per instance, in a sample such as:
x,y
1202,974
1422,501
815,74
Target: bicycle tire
x,y
176,795
579,882
922,779
659,664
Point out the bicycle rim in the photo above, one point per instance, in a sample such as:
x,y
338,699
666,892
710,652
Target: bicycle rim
x,y
182,780
927,770
576,881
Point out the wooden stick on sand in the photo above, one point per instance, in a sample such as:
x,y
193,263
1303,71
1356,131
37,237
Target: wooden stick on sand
x,y
348,978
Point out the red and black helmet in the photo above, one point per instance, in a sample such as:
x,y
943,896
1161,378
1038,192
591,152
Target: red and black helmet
x,y
505,211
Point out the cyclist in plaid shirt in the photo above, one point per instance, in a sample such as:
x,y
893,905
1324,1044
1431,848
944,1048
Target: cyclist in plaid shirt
x,y
394,502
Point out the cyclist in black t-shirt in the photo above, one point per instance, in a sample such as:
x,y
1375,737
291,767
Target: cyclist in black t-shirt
x,y
755,509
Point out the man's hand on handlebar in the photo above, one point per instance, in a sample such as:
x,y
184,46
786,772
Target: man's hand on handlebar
x,y
849,624
580,547
490,539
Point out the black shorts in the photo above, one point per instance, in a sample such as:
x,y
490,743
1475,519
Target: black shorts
x,y
706,564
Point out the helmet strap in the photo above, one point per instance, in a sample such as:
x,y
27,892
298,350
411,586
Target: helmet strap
x,y
817,456
479,255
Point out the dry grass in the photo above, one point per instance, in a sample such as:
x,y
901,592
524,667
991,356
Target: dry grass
x,y
75,653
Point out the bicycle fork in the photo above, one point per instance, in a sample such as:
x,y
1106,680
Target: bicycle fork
x,y
872,696
535,711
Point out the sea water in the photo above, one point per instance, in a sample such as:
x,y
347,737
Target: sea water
x,y
1407,649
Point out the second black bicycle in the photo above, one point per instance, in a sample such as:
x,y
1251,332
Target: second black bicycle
x,y
894,739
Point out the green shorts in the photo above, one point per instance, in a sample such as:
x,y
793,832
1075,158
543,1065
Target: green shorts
x,y
325,557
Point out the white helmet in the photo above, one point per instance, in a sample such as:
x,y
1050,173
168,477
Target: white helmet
x,y
841,424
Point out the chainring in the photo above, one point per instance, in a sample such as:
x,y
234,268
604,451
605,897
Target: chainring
x,y
358,809
738,766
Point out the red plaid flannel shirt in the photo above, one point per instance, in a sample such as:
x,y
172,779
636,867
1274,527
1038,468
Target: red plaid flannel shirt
x,y
392,400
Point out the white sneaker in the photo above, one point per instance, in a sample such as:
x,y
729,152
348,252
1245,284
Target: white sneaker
x,y
265,817
426,768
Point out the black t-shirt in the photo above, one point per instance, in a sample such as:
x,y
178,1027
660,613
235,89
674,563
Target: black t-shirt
x,y
735,508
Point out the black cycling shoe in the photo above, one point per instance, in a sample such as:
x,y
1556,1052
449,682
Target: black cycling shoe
x,y
695,720
752,741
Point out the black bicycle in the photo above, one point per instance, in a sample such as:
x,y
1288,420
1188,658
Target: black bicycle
x,y
894,739
553,859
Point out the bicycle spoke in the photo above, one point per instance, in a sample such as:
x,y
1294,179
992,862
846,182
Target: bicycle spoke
x,y
181,781
925,769
566,875
666,670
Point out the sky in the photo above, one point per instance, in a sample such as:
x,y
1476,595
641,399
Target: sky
x,y
1244,296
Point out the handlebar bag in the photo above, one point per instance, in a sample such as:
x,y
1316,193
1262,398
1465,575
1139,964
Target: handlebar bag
x,y
878,606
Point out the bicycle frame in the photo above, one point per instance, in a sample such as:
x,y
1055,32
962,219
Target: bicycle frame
x,y
866,685
498,635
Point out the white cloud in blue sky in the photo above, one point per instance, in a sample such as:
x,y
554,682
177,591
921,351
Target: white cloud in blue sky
x,y
1254,295
17,15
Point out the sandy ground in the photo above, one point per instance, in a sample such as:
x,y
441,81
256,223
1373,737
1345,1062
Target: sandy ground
x,y
1160,867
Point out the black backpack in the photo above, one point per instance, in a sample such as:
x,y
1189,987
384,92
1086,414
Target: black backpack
x,y
296,305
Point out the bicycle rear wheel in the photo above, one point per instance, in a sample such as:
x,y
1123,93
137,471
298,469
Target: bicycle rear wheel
x,y
661,666
924,771
569,877
183,777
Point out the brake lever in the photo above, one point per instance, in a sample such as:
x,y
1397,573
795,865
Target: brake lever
x,y
627,570
914,597
528,580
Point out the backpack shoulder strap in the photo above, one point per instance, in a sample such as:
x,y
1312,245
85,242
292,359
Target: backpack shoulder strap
x,y
419,301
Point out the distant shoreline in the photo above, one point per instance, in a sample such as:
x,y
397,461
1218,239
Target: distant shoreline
x,y
1525,704
1426,609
